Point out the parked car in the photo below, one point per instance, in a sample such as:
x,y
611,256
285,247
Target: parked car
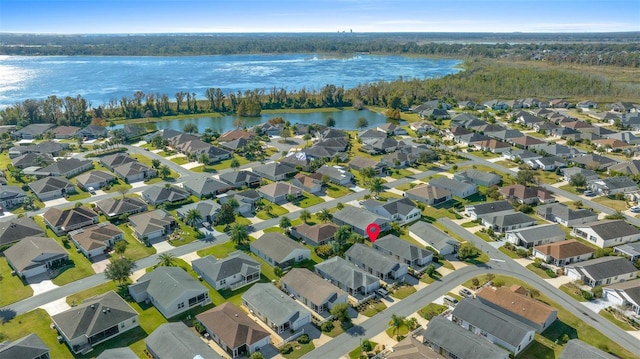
x,y
589,193
635,209
465,293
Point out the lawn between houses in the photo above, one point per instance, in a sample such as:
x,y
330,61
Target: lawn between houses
x,y
13,289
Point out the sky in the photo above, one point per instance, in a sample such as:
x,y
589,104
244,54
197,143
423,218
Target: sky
x,y
224,16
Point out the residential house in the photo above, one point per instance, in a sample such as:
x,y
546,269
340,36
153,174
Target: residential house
x,y
338,175
626,294
503,134
457,188
434,238
275,171
280,312
315,235
95,179
527,142
563,252
519,306
236,134
376,263
495,326
549,163
17,228
279,250
587,104
119,353
51,188
607,233
232,272
65,132
480,178
428,194
627,137
404,252
398,159
481,210
422,127
346,276
247,200
630,168
117,207
176,340
495,105
171,290
241,178
134,171
11,196
622,106
602,271
96,240
520,154
67,167
206,187
455,133
434,114
208,210
358,219
96,320
27,347
611,185
279,192
631,251
32,159
92,132
310,183
508,222
466,120
526,195
594,161
493,146
233,330
401,210
526,119
373,134
67,220
576,348
50,148
151,225
561,213
359,163
568,173
452,341
159,194
611,144
33,130
311,290
391,129
115,160
32,256
536,235
472,139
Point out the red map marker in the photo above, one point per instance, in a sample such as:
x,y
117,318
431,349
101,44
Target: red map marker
x,y
373,230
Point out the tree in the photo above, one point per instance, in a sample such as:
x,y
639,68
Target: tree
x,y
192,217
340,312
285,132
534,293
525,176
267,207
119,270
204,159
362,122
234,163
256,355
239,234
578,180
467,250
305,215
431,270
166,260
123,191
285,223
396,323
324,215
165,171
342,234
190,128
367,173
120,247
489,277
615,215
427,157
155,163
227,214
376,186
330,122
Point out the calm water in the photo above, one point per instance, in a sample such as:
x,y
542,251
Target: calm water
x,y
102,78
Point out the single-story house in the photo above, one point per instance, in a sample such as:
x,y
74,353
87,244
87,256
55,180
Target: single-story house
x,y
594,161
564,252
116,207
32,159
150,225
67,167
208,210
479,178
428,194
452,341
52,187
589,175
95,179
280,312
607,233
11,196
358,219
561,213
64,221
92,132
612,185
509,222
28,347
246,199
310,183
336,174
576,348
631,251
64,132
358,163
434,238
401,210
96,320
380,265
279,250
171,290
630,168
602,271
97,239
233,272
277,192
205,187
30,132
275,171
311,290
315,235
536,235
481,210
415,257
233,330
458,188
526,195
159,194
32,256
115,160
241,178
344,275
17,228
176,340
134,171
626,294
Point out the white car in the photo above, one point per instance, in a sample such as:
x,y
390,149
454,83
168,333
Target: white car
x,y
635,209
91,190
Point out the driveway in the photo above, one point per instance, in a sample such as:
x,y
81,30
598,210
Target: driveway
x,y
163,246
55,202
99,263
56,306
597,305
41,283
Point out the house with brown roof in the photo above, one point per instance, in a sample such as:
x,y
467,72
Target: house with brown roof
x,y
514,303
310,183
278,192
493,145
315,235
233,330
562,253
611,144
429,194
67,220
64,132
312,290
150,225
235,135
97,239
526,195
279,250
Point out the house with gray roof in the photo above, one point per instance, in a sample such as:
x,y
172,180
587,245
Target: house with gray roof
x,y
594,161
206,187
315,235
451,340
509,221
434,238
53,149
208,209
488,209
150,225
576,348
96,240
279,250
171,290
458,188
631,168
495,326
95,179
96,320
233,272
279,192
176,340
480,178
630,250
401,210
311,290
607,233
11,196
626,294
377,263
241,178
351,279
274,171
116,207
611,185
246,199
159,194
17,228
134,171
52,187
589,175
536,235
115,160
359,163
32,256
92,132
32,159
27,347
358,219
280,312
64,221
30,132
602,271
118,353
415,257
428,194
561,213
524,155
336,174
67,167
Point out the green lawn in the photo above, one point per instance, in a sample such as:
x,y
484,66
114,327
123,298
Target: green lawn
x,y
610,317
403,292
355,353
401,173
80,194
337,191
276,211
614,204
219,250
408,186
299,350
374,309
572,292
431,310
308,200
393,334
508,252
166,153
222,165
36,321
147,161
79,266
11,286
431,214
180,160
484,154
469,224
338,328
485,236
571,189
135,249
539,271
117,187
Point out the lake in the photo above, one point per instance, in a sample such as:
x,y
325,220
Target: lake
x,y
102,78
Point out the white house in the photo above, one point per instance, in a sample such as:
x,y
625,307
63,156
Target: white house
x,y
607,233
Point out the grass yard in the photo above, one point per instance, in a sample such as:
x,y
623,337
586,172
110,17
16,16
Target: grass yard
x,y
118,186
539,271
355,353
38,322
403,292
180,160
338,328
135,249
469,224
307,200
484,154
374,309
571,189
430,279
509,253
79,195
13,289
408,186
239,220
610,317
573,292
276,211
431,214
484,235
219,250
432,310
222,165
337,191
299,350
401,173
79,266
614,204
393,333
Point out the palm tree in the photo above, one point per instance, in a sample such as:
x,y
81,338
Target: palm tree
x,y
285,223
155,163
234,163
367,174
376,186
325,216
123,191
192,217
342,234
396,323
267,207
120,247
239,234
166,260
305,215
233,203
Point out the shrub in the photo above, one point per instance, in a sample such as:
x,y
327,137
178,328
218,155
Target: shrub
x,y
303,339
522,252
286,349
366,346
587,295
327,327
551,273
498,283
